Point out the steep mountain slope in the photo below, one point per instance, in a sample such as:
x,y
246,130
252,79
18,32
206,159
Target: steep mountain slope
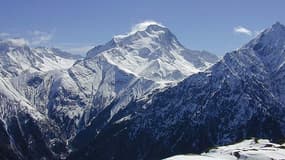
x,y
17,58
151,51
246,150
241,96
130,66
48,96
126,68
27,131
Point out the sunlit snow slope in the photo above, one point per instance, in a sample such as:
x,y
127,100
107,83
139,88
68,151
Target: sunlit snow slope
x,y
251,149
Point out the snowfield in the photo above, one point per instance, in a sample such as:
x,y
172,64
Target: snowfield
x,y
251,149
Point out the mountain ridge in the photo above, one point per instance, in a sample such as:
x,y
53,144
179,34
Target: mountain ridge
x,y
238,97
91,94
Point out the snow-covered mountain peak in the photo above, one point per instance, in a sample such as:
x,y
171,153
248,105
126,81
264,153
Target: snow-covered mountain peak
x,y
16,57
154,36
147,32
144,25
271,37
148,36
268,47
151,51
140,27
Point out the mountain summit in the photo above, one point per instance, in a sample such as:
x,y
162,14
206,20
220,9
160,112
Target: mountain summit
x,y
273,37
152,51
269,46
140,27
16,57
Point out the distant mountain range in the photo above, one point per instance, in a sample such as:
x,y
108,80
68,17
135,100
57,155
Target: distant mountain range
x,y
142,95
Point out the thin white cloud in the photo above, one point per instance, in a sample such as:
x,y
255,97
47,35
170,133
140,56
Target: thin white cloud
x,y
243,30
17,41
143,25
33,38
40,37
139,27
4,34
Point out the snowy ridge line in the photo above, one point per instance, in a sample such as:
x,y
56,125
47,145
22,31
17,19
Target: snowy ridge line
x,y
251,149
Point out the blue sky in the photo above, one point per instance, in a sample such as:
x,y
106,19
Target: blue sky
x,y
217,26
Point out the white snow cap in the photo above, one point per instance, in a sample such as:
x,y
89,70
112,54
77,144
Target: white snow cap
x,y
140,27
